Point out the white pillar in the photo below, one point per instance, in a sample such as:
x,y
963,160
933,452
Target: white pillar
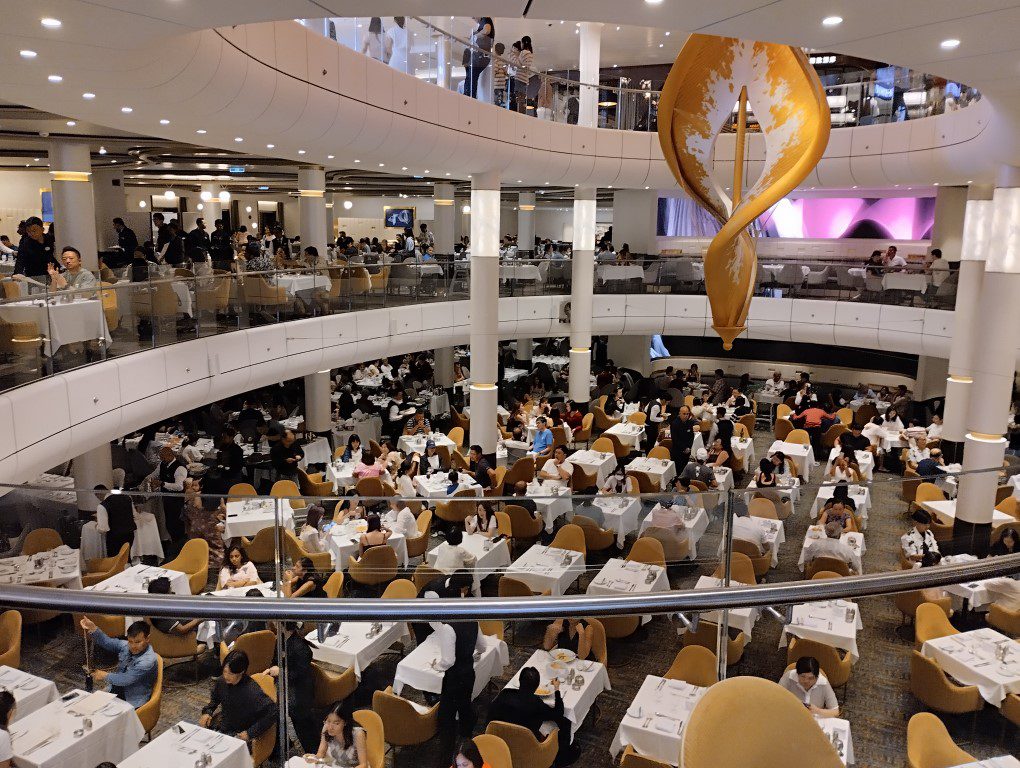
x,y
318,406
948,231
212,208
591,48
442,371
312,208
92,468
635,219
110,201
444,58
995,366
631,352
582,286
484,308
977,231
526,221
74,207
444,219
524,349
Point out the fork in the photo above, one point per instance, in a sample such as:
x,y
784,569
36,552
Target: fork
x,y
40,745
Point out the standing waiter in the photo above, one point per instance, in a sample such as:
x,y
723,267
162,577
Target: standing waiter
x,y
115,517
35,253
457,644
169,478
126,237
221,246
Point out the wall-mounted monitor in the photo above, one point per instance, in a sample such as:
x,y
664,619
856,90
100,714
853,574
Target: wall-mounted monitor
x,y
398,218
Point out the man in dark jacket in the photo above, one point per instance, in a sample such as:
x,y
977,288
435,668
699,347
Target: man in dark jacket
x,y
524,707
237,705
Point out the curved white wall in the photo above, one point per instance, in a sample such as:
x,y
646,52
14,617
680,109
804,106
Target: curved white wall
x,y
55,419
280,83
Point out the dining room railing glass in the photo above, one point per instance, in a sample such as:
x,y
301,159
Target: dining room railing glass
x,y
705,595
44,332
444,51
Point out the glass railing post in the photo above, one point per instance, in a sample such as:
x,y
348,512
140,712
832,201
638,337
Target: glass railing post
x,y
723,636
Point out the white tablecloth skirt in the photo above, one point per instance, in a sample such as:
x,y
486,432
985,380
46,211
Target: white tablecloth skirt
x,y
956,655
415,669
30,692
862,500
541,568
343,546
164,751
664,705
146,542
76,321
812,621
619,513
352,647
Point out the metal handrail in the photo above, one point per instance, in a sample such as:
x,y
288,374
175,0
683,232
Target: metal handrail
x,y
470,609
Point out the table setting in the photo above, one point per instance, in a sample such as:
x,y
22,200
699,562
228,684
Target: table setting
x,y
831,622
838,731
60,567
552,499
547,568
945,511
662,471
985,658
59,321
185,744
626,577
344,542
489,556
801,453
341,474
629,434
249,516
599,463
355,643
136,579
418,669
743,619
435,485
853,540
30,692
653,724
409,444
860,494
773,533
620,514
787,486
695,524
865,460
210,632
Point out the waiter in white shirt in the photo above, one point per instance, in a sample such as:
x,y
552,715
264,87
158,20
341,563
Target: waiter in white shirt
x,y
919,541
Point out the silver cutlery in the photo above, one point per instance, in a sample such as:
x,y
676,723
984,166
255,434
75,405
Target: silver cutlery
x,y
40,745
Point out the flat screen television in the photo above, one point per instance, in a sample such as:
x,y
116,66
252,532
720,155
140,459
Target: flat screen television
x,y
398,218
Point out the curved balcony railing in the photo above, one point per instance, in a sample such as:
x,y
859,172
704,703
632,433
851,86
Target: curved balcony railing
x,y
449,59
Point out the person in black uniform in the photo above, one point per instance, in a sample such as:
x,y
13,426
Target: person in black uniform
x,y
170,476
115,514
523,707
457,584
230,457
457,643
681,432
34,254
162,230
173,250
285,455
300,688
220,246
198,238
126,238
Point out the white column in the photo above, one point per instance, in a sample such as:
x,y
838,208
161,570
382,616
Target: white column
x,y
995,366
212,208
110,201
635,219
318,406
444,58
484,308
524,349
312,208
526,221
631,352
582,285
948,231
591,48
92,468
442,371
444,218
74,207
977,231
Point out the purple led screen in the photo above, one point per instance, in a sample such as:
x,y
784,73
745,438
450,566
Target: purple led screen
x,y
887,218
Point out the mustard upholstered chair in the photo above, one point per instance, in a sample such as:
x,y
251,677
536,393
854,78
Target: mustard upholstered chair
x,y
262,547
1011,708
631,759
377,566
1004,619
835,667
523,469
511,587
238,491
494,751
929,744
674,548
417,546
762,507
596,539
782,428
570,537
423,574
10,639
148,713
403,725
741,570
287,489
525,749
523,526
907,602
174,646
104,568
194,561
763,709
647,550
332,686
262,746
400,589
40,540
375,736
935,690
696,665
832,564
295,550
260,647
931,623
619,627
706,637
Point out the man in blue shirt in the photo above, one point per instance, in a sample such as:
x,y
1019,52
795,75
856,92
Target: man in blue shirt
x,y
542,447
135,676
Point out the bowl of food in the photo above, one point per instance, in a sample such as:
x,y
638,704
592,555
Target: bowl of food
x,y
543,691
564,655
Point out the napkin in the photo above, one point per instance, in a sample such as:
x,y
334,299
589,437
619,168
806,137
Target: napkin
x,y
92,703
32,738
665,724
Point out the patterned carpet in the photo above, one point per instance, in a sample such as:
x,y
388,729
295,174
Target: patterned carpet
x,y
878,702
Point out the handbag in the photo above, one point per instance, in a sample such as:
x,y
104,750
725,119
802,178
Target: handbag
x,y
480,53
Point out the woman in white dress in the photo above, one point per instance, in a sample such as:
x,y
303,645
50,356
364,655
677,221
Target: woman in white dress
x,y
373,45
396,44
312,537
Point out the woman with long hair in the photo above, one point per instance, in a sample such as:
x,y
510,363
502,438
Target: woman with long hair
x,y
343,741
237,570
7,709
374,45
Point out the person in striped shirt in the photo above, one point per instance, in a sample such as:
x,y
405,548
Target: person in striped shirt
x,y
499,72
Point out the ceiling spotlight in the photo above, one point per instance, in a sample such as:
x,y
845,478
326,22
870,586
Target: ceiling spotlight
x,y
164,121
660,45
270,146
466,209
88,95
201,131
169,194
301,152
667,34
141,203
832,21
238,139
357,161
50,23
950,44
654,2
330,157
206,196
27,54
55,79
71,123
263,188
247,209
224,196
102,150
403,167
126,110
382,165
200,207
348,205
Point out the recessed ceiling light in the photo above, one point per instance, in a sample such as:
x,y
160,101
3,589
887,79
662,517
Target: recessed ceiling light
x,y
667,34
832,21
126,110
403,167
426,170
936,183
102,150
270,146
382,165
71,123
330,157
654,2
357,161
970,181
238,139
88,95
950,44
660,45
201,131
27,54
50,23
447,173
141,203
113,162
301,152
164,121
55,79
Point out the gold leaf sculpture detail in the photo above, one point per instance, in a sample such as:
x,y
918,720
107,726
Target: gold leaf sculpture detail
x,y
709,75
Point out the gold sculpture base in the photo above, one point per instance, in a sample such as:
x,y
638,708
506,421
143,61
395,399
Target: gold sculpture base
x,y
728,334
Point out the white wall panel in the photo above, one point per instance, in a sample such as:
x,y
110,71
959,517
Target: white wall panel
x,y
8,445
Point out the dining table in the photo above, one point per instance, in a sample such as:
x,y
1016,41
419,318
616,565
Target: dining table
x,y
743,619
983,657
549,569
860,494
356,644
60,567
620,514
552,499
830,622
661,471
653,725
31,692
418,668
247,517
181,745
344,542
854,540
490,557
598,463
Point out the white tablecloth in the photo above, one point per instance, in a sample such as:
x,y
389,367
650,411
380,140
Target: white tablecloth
x,y
654,721
695,524
76,321
295,284
791,491
61,566
248,517
553,361
345,540
542,568
623,577
520,272
341,475
826,623
860,494
316,452
743,619
367,428
416,443
597,462
903,281
723,477
146,542
609,272
743,449
773,532
1006,761
132,579
552,499
946,511
880,405
576,702
815,533
970,658
661,471
835,726
417,671
490,557
889,440
209,632
803,456
172,749
351,646
620,514
30,692
113,737
865,460
630,435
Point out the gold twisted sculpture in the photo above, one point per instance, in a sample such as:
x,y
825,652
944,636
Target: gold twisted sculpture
x,y
709,75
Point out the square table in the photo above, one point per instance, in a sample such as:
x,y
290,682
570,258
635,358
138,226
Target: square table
x,y
576,702
295,284
630,435
802,454
409,444
695,524
860,494
946,478
614,272
773,533
417,669
619,513
661,471
355,646
865,460
316,452
115,734
30,692
545,568
595,462
132,580
815,533
970,658
248,517
723,478
489,557
654,722
552,499
625,577
743,619
61,567
344,541
838,731
743,449
341,474
181,745
975,594
208,632
946,512
787,487
889,439
830,622
60,322
434,486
